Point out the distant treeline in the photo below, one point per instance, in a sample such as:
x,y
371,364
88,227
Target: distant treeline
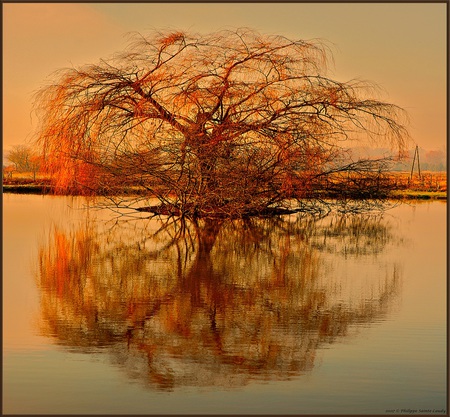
x,y
430,160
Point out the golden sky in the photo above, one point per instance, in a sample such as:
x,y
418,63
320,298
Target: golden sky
x,y
400,46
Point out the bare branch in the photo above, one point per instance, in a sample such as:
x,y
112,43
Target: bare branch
x,y
229,123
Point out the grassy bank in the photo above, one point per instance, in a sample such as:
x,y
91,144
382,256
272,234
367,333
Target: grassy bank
x,y
419,195
26,188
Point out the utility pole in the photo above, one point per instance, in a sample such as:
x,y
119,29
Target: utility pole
x,y
416,152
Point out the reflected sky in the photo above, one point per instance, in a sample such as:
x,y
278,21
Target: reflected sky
x,y
338,315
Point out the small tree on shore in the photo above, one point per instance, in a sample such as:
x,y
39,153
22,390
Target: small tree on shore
x,y
24,159
19,156
231,123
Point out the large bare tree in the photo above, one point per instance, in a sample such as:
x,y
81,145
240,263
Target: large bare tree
x,y
231,123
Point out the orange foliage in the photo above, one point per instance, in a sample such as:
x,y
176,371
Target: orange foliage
x,y
208,119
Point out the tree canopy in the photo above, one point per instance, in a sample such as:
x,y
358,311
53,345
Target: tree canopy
x,y
230,123
24,159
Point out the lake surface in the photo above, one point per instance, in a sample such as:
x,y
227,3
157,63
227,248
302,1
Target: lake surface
x,y
111,314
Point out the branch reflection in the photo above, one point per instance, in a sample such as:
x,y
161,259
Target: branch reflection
x,y
213,303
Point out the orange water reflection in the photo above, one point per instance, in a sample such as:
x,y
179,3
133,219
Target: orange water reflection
x,y
212,303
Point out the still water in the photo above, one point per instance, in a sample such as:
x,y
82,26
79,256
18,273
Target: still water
x,y
110,314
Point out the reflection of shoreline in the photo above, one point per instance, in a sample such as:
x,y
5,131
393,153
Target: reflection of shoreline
x,y
212,303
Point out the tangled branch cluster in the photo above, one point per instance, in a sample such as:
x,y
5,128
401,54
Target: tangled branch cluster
x,y
231,123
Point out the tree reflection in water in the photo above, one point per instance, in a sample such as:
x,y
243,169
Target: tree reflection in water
x,y
212,303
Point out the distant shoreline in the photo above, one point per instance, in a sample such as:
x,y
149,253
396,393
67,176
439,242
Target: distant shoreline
x,y
404,186
409,194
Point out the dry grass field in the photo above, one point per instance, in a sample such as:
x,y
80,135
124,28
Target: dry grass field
x,y
428,185
427,181
14,177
